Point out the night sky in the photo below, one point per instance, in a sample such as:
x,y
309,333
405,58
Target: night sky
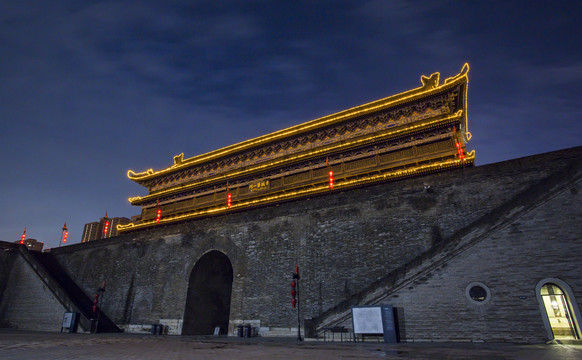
x,y
90,89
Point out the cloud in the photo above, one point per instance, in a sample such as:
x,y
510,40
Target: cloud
x,y
404,17
550,76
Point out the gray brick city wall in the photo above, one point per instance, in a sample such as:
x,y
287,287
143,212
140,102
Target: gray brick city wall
x,y
8,255
343,242
546,243
26,302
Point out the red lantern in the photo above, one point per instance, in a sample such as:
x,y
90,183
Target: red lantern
x,y
159,213
95,302
460,152
23,237
331,182
65,233
228,200
293,294
106,226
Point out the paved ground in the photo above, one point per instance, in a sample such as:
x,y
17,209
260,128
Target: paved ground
x,y
31,345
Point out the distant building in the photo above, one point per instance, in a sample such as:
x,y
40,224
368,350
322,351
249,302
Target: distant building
x,y
96,230
32,244
90,232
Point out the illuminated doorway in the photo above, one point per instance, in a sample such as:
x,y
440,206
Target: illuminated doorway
x,y
208,299
561,313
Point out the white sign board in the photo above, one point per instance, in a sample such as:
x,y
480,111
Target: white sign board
x,y
67,320
367,320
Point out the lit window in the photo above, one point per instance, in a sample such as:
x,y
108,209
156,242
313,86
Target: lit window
x,y
559,313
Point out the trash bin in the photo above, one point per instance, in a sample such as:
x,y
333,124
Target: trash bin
x,y
248,330
74,323
240,330
157,329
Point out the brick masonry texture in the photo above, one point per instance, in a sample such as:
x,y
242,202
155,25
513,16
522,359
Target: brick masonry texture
x,y
7,258
347,242
547,243
26,302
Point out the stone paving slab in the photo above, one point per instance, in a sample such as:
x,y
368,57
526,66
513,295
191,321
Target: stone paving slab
x,y
34,345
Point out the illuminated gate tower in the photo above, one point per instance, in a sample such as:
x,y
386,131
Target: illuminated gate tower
x,y
417,132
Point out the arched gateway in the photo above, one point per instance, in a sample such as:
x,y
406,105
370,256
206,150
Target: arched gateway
x,y
208,299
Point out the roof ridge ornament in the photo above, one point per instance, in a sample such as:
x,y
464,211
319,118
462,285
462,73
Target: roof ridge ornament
x,y
430,82
178,159
464,72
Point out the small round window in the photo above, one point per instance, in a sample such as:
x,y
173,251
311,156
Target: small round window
x,y
478,293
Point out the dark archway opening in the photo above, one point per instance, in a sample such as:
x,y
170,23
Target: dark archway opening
x,y
208,299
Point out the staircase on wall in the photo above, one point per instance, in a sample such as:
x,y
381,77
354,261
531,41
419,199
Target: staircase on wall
x,y
67,291
427,262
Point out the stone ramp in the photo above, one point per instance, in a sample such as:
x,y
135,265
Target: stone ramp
x,y
479,230
66,290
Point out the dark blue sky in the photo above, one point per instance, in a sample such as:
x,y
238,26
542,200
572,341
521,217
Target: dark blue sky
x,y
90,89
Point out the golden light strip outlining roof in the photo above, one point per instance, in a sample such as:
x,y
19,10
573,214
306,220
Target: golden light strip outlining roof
x,y
318,151
430,85
346,184
463,74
